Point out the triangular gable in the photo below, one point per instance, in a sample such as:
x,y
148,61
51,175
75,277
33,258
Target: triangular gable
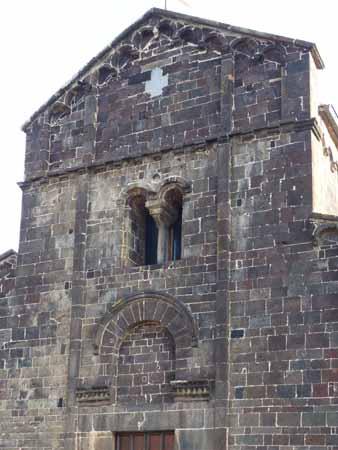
x,y
150,19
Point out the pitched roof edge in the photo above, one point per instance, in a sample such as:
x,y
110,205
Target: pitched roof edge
x,y
330,118
87,67
170,14
7,254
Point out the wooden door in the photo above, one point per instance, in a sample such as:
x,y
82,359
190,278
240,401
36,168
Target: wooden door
x,y
162,440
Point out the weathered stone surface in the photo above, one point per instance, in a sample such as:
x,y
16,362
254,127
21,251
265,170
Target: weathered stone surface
x,y
235,344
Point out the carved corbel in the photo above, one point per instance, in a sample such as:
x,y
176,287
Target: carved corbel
x,y
95,395
82,87
191,390
325,231
327,151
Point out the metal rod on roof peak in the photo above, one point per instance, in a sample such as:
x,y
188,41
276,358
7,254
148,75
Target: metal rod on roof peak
x,y
184,2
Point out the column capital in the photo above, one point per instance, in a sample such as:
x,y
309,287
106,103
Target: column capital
x,y
162,212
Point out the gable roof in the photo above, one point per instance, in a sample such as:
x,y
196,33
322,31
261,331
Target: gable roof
x,y
184,17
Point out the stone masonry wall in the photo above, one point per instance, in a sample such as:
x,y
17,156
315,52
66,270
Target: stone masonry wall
x,y
146,366
164,86
34,357
282,301
8,262
247,318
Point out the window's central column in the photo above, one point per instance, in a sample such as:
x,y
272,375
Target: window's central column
x,y
164,215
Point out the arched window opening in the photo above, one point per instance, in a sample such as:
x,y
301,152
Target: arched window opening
x,y
137,230
143,233
174,198
175,239
154,234
167,213
151,238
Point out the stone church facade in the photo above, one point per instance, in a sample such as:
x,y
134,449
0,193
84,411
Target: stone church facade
x,y
176,282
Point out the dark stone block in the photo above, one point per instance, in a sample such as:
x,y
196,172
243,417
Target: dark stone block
x,y
286,391
310,419
317,340
303,390
139,78
277,343
312,376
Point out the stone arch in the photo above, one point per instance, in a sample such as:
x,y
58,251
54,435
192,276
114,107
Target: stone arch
x,y
190,34
138,188
75,96
153,221
275,53
58,111
215,41
171,183
133,200
167,28
106,73
145,307
247,46
125,55
143,37
145,310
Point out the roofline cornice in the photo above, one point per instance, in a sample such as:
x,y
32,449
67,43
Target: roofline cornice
x,y
7,254
178,16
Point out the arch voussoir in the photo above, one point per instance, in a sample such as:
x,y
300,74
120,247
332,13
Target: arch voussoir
x,y
183,340
128,315
114,328
178,327
121,323
149,309
160,311
136,312
146,307
109,339
169,315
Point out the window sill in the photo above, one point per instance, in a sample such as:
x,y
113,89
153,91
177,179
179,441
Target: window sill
x,y
166,265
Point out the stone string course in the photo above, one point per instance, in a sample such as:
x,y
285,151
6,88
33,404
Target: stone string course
x,y
234,346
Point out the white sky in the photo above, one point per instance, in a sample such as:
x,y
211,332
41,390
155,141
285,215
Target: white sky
x,y
43,43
